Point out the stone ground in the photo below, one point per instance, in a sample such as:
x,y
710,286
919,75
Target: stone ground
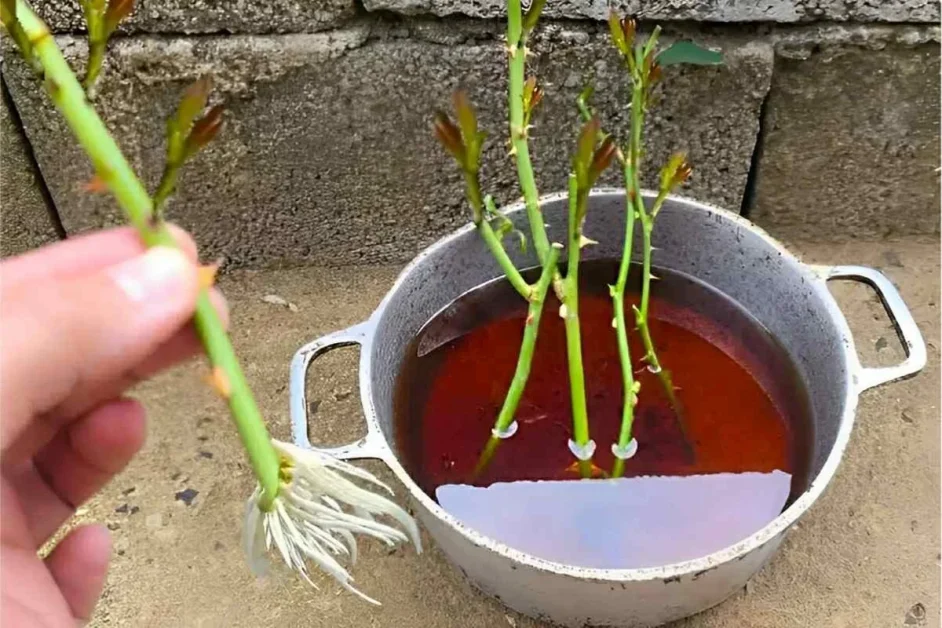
x,y
866,555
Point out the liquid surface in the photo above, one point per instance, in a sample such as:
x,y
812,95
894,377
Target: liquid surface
x,y
743,406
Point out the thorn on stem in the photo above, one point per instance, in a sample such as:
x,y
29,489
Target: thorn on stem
x,y
207,275
585,241
219,382
96,185
53,86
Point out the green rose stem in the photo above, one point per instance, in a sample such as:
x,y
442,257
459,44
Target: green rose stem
x,y
298,507
113,169
645,72
589,161
464,142
519,27
631,386
617,292
569,311
534,313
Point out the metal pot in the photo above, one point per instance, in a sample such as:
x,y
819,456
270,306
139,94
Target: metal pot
x,y
789,298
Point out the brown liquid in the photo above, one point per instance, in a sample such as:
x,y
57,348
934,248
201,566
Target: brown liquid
x,y
743,404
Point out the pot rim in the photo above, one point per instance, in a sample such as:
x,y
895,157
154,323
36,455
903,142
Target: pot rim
x,y
380,447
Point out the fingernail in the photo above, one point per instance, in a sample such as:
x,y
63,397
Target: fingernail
x,y
159,272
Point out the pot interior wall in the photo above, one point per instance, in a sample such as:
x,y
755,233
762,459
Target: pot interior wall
x,y
690,238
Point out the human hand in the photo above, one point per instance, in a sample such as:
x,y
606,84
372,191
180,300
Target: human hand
x,y
81,321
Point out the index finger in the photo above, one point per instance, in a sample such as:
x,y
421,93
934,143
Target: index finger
x,y
83,254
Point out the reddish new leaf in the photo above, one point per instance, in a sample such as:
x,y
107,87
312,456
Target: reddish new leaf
x,y
116,12
602,159
450,136
204,130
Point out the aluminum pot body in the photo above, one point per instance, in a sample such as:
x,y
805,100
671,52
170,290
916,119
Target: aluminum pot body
x,y
737,258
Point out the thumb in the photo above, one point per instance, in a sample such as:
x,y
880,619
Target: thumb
x,y
63,338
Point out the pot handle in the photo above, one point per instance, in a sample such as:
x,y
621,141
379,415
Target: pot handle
x,y
911,338
371,445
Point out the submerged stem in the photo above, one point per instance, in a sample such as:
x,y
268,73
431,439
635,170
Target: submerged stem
x,y
524,359
646,217
621,330
566,290
618,302
642,314
570,314
112,167
642,319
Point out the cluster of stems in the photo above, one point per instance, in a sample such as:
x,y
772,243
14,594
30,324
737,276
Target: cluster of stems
x,y
519,29
464,141
113,172
595,150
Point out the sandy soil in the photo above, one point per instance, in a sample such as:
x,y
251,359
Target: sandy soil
x,y
867,555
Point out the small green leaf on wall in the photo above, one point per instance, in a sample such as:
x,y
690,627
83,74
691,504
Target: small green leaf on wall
x,y
690,53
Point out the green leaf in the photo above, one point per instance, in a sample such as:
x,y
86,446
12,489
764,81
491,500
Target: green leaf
x,y
467,118
7,12
117,10
617,34
523,240
585,149
530,19
689,53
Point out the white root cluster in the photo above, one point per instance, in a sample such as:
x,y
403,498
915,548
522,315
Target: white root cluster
x,y
318,513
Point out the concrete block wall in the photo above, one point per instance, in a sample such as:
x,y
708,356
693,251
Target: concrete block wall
x,y
822,124
26,218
